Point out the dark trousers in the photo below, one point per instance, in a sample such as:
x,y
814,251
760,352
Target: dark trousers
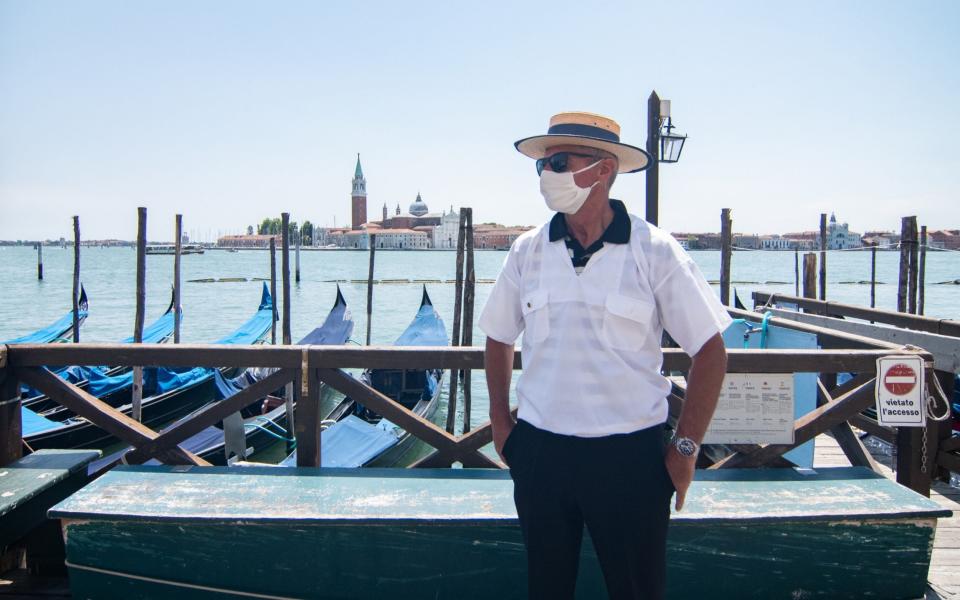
x,y
617,485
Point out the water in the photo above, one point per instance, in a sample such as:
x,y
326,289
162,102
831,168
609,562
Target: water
x,y
212,310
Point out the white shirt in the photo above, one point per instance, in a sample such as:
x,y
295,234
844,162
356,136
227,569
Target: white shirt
x,y
591,344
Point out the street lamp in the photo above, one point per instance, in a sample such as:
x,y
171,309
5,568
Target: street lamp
x,y
662,144
671,144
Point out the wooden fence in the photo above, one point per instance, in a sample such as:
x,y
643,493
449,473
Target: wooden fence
x,y
309,367
939,337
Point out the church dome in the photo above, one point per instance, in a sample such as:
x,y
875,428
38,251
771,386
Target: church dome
x,y
419,207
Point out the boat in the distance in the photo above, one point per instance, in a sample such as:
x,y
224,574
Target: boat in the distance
x,y
355,436
170,249
59,330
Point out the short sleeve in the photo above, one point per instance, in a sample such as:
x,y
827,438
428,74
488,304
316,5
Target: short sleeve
x,y
689,310
502,318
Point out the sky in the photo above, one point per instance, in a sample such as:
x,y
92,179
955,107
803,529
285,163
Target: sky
x,y
232,111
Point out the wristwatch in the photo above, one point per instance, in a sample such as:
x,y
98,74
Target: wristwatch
x,y
685,446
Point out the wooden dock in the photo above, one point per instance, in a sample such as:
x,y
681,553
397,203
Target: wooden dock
x,y
944,576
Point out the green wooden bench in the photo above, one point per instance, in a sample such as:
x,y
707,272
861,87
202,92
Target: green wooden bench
x,y
32,484
187,532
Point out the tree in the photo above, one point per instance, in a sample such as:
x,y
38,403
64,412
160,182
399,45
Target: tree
x,y
249,229
269,227
306,233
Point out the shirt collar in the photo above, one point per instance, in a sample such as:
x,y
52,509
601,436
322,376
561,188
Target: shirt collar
x,y
617,232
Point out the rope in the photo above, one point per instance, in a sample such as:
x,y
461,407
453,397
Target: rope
x,y
180,584
931,399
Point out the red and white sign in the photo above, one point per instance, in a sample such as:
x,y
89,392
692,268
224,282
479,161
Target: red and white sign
x,y
900,379
899,391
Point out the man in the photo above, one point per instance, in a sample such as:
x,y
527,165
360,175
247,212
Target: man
x,y
592,291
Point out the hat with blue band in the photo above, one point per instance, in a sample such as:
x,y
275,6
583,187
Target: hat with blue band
x,y
587,130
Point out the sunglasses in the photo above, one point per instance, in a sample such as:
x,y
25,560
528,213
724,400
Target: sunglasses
x,y
558,161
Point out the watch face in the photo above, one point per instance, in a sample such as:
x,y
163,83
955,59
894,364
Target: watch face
x,y
686,446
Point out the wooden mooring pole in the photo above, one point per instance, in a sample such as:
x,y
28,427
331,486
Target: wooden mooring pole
x,y
796,272
273,289
76,280
40,261
470,281
137,398
873,276
823,256
285,275
457,309
726,254
11,420
921,285
177,249
373,250
904,264
297,262
809,275
912,274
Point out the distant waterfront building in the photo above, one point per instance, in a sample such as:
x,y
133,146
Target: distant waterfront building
x,y
839,236
496,237
775,242
948,239
418,215
404,239
358,198
445,234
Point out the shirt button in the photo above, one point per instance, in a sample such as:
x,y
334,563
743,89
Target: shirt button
x,y
528,305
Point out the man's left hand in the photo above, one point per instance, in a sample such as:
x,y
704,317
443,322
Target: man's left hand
x,y
681,470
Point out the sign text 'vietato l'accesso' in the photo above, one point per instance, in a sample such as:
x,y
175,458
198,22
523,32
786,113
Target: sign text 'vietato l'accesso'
x,y
900,391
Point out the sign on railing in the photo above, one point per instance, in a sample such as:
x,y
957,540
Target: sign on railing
x,y
900,391
754,408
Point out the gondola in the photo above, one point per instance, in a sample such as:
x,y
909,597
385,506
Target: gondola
x,y
254,431
158,332
59,330
173,392
356,436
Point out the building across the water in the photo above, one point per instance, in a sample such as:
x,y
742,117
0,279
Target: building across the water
x,y
839,236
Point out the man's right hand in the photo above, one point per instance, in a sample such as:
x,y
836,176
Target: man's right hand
x,y
501,431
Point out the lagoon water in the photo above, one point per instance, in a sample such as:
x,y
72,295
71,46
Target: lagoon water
x,y
212,310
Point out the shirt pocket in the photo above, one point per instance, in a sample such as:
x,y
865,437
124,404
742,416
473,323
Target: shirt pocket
x,y
536,316
626,321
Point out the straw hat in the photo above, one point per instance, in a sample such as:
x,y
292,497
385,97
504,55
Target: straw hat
x,y
586,129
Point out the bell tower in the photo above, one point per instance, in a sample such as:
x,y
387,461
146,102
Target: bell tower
x,y
358,199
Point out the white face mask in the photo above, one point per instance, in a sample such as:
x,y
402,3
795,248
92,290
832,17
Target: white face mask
x,y
562,193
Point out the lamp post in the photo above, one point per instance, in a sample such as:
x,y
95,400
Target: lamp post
x,y
663,146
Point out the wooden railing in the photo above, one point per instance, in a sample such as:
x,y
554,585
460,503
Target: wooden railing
x,y
308,367
939,337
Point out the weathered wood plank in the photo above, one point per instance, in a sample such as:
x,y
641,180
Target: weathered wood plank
x,y
412,357
101,414
34,483
945,349
806,530
307,426
828,338
11,426
948,327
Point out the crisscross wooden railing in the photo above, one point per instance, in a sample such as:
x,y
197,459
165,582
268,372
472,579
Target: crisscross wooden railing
x,y
310,367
